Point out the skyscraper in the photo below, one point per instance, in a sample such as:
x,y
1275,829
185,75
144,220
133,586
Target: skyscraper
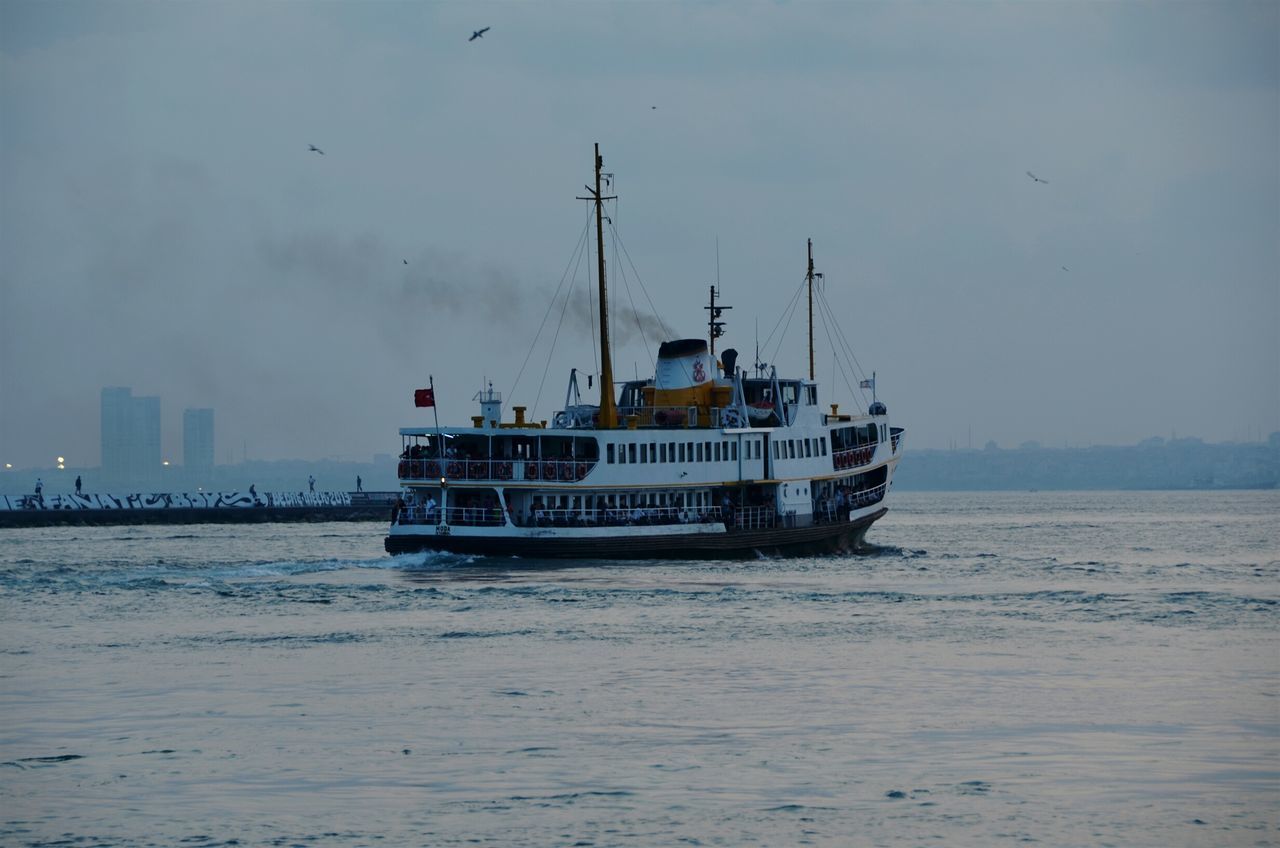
x,y
130,437
197,442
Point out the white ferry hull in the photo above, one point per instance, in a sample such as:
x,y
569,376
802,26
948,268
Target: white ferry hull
x,y
714,542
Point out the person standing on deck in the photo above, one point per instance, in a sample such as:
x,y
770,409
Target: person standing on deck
x,y
311,482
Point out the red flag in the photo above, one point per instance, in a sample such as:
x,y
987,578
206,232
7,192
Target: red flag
x,y
424,397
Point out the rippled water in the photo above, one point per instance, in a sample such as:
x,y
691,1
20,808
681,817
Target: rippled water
x,y
1063,669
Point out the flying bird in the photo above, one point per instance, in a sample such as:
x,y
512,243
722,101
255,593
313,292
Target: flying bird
x,y
1037,179
315,149
478,34
1065,268
406,261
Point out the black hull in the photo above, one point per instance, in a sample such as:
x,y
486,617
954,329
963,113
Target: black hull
x,y
739,544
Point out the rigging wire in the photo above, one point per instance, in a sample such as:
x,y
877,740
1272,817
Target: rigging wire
x,y
665,327
835,351
622,274
546,369
788,313
840,334
574,258
858,373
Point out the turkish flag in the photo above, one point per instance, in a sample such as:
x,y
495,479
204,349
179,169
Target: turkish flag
x,y
424,397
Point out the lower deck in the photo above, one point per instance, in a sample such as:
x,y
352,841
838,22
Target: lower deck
x,y
714,540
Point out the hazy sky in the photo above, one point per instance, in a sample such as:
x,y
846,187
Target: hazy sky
x,y
163,225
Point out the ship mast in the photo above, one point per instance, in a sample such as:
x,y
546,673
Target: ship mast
x,y
608,409
809,277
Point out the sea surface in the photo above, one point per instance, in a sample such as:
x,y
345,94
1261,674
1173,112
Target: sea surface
x,y
1016,668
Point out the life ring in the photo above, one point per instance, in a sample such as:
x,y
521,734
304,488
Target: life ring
x,y
402,470
582,470
730,417
548,471
453,469
531,471
504,471
431,468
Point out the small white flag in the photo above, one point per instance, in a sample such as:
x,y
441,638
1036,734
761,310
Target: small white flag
x,y
868,384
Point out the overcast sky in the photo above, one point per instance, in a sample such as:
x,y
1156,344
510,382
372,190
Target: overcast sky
x,y
164,226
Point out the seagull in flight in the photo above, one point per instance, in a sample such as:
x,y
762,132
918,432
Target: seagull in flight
x,y
315,149
478,34
1037,179
406,261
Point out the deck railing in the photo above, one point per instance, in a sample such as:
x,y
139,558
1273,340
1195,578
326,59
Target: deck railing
x,y
555,471
754,517
619,517
829,510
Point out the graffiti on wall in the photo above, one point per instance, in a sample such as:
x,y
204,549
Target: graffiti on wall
x,y
182,500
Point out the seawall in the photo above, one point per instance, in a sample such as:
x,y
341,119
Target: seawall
x,y
192,508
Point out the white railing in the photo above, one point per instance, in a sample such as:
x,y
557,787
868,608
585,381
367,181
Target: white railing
x,y
618,517
551,470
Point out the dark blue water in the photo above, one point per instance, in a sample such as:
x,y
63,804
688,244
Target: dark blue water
x,y
1060,669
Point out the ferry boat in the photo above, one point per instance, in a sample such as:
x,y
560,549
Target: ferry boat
x,y
702,460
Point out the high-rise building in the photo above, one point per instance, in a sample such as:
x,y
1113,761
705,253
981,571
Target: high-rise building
x,y
197,441
117,415
130,437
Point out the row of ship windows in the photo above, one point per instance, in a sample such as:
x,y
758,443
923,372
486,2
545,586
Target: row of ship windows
x,y
800,448
711,451
718,451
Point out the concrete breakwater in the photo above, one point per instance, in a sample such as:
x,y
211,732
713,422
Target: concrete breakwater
x,y
192,508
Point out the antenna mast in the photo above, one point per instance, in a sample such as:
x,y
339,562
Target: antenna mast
x,y
715,328
608,409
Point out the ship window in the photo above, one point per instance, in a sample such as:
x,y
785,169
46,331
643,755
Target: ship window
x,y
699,452
653,452
610,453
682,459
717,451
808,447
735,451
775,450
644,456
708,453
631,453
662,452
811,395
822,443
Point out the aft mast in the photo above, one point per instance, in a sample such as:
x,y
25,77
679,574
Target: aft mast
x,y
608,409
809,277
